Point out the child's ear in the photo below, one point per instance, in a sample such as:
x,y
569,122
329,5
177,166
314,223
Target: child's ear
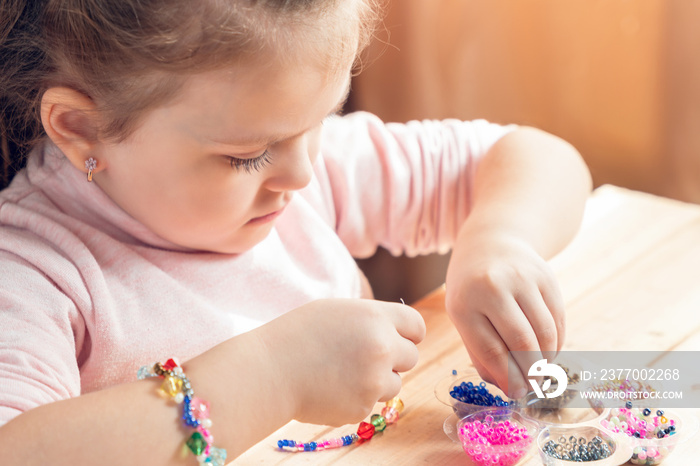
x,y
70,121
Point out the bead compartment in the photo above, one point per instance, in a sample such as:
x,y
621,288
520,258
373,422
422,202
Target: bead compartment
x,y
483,393
496,436
648,448
618,388
620,451
540,411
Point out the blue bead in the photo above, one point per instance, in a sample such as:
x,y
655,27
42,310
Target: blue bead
x,y
280,443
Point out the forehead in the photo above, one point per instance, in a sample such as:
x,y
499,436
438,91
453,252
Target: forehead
x,y
330,37
257,103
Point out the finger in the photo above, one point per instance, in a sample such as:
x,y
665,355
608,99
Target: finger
x,y
519,337
408,322
393,387
541,320
490,352
483,371
406,355
553,299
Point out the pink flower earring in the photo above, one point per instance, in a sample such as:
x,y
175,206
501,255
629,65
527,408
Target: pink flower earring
x,y
90,165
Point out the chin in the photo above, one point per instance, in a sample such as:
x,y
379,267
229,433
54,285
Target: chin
x,y
240,245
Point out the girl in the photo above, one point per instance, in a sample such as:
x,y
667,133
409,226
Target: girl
x,y
188,193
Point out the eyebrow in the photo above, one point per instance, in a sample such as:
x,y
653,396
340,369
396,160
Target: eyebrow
x,y
270,139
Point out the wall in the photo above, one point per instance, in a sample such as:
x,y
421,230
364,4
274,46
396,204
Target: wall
x,y
616,78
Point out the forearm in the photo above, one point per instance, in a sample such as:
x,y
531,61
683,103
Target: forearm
x,y
531,185
131,424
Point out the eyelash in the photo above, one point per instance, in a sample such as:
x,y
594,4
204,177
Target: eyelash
x,y
257,163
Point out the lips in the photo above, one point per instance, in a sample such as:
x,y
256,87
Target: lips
x,y
268,217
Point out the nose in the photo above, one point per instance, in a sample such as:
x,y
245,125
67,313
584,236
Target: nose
x,y
292,166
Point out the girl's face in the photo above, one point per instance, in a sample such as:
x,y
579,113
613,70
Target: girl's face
x,y
213,169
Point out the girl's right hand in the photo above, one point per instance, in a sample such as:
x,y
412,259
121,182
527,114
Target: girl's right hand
x,y
340,356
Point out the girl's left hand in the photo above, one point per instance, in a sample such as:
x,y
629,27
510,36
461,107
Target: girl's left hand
x,y
502,296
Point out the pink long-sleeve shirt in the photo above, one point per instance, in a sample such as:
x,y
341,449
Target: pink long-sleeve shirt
x,y
88,294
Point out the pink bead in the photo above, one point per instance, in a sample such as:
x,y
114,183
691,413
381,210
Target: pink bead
x,y
200,408
335,443
390,415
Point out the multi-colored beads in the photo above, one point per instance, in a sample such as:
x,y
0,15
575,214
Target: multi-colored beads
x,y
479,395
195,411
646,430
365,431
639,423
578,449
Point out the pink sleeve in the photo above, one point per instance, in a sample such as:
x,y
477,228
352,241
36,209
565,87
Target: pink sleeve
x,y
406,187
39,333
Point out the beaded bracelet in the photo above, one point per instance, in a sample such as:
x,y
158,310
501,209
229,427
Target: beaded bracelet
x,y
195,411
365,431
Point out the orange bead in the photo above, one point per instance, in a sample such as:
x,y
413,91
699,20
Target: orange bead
x,y
171,386
395,403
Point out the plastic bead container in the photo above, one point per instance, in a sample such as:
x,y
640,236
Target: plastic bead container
x,y
545,412
496,436
620,450
472,400
619,387
482,394
649,449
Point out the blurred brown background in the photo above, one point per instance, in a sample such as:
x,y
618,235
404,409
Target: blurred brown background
x,y
619,79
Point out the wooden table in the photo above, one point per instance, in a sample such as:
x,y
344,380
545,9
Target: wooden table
x,y
634,267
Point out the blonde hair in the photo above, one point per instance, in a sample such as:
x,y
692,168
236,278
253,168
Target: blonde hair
x,y
130,56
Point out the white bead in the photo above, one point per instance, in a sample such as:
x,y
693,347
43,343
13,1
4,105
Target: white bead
x,y
179,397
206,423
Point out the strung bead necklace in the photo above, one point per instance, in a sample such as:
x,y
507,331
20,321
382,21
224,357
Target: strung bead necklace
x,y
365,431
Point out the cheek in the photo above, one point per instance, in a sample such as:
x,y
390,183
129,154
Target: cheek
x,y
314,143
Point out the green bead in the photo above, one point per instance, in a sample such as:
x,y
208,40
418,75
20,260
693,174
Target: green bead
x,y
196,443
378,422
